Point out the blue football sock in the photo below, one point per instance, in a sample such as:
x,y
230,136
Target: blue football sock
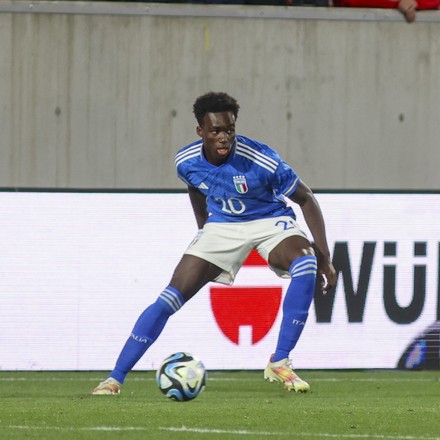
x,y
146,330
296,305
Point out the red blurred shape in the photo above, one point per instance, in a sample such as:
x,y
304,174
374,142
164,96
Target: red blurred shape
x,y
251,306
254,259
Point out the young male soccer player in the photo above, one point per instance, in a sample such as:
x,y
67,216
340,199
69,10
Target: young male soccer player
x,y
237,187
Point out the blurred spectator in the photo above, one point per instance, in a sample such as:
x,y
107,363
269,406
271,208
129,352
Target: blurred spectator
x,y
406,7
423,353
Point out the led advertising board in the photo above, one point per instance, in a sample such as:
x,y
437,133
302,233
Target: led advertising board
x,y
77,269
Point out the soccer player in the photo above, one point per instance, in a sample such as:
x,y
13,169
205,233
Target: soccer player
x,y
237,187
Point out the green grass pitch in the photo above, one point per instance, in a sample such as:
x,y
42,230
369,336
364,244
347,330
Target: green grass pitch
x,y
379,405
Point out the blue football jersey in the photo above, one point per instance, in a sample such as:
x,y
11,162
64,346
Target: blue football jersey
x,y
250,185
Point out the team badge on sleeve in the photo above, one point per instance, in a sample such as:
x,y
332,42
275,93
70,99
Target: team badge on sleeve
x,y
240,184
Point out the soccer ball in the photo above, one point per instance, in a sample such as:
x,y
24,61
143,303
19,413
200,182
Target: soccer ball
x,y
181,377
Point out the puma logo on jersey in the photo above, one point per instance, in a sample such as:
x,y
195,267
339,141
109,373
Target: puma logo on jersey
x,y
240,184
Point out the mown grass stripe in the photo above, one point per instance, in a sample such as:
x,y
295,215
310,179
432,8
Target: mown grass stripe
x,y
301,434
72,428
220,431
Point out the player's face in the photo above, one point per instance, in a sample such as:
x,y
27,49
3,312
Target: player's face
x,y
218,134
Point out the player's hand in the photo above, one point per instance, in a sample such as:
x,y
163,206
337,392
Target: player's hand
x,y
326,271
327,275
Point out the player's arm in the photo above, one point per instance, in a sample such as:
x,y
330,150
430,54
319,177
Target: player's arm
x,y
304,197
198,202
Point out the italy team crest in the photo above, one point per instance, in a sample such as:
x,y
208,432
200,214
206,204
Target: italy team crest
x,y
240,184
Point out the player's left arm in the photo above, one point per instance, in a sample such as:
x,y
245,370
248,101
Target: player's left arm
x,y
304,197
198,202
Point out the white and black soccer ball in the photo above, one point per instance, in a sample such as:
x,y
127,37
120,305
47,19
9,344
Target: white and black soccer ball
x,y
181,377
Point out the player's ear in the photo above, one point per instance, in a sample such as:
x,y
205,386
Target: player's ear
x,y
199,131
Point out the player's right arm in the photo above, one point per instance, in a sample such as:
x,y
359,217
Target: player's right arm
x,y
304,197
198,202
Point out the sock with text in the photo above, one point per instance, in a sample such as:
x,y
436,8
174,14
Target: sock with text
x,y
296,305
146,330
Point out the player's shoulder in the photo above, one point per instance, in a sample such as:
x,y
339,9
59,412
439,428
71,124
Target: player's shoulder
x,y
258,152
249,144
189,153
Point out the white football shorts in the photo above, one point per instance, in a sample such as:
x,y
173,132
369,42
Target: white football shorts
x,y
227,245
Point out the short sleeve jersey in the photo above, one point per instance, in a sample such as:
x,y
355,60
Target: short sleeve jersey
x,y
252,184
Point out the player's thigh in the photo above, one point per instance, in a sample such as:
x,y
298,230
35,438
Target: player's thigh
x,y
225,245
191,274
288,250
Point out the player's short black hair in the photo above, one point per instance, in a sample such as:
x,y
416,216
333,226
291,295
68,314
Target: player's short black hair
x,y
214,102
